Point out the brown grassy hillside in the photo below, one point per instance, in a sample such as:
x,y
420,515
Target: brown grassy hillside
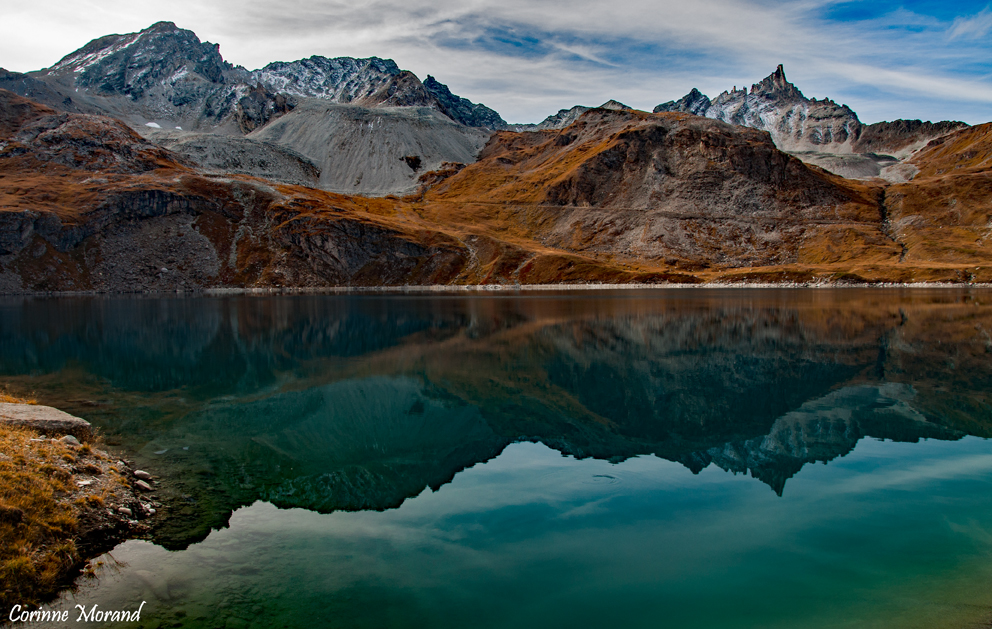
x,y
944,215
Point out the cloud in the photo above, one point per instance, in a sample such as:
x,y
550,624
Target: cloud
x,y
974,27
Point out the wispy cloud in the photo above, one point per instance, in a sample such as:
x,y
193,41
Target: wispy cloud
x,y
974,27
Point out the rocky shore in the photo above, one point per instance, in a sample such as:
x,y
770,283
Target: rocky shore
x,y
503,288
62,501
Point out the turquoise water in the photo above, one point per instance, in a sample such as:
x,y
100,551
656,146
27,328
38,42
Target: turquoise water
x,y
635,459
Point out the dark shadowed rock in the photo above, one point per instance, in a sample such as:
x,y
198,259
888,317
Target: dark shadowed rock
x,y
259,106
461,109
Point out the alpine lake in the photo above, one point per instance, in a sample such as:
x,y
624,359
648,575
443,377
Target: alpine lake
x,y
685,458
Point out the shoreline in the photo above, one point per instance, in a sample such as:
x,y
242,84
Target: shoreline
x,y
503,288
66,501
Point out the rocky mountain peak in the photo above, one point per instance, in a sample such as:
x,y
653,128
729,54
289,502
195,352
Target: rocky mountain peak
x,y
795,122
777,86
136,64
136,56
615,105
695,102
819,131
163,27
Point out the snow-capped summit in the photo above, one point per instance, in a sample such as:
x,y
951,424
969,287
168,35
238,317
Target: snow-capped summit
x,y
166,74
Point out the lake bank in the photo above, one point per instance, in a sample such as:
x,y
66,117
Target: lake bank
x,y
463,289
62,502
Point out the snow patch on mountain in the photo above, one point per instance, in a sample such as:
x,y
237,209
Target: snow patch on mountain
x,y
81,59
342,79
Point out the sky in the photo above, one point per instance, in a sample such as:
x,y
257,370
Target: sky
x,y
527,59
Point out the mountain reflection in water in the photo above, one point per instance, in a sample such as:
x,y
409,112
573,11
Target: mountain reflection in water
x,y
359,402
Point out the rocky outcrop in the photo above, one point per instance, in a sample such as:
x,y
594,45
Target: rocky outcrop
x,y
260,106
15,112
76,140
695,103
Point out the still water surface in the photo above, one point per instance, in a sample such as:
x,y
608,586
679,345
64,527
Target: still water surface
x,y
632,459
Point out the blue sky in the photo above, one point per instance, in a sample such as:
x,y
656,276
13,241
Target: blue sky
x,y
527,59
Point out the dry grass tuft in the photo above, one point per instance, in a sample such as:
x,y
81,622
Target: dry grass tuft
x,y
36,525
7,398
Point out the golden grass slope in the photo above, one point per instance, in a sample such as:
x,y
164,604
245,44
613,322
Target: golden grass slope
x,y
944,215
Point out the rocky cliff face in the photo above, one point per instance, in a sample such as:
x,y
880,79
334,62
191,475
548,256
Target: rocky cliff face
x,y
684,189
461,109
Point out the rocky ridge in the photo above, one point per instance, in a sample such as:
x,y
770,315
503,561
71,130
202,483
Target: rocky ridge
x,y
819,131
691,191
166,75
565,117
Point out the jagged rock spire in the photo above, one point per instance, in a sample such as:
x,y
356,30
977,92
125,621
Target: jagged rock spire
x,y
776,84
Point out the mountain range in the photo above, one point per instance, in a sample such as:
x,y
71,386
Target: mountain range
x,y
145,162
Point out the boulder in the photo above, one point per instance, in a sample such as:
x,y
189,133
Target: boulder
x,y
45,419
